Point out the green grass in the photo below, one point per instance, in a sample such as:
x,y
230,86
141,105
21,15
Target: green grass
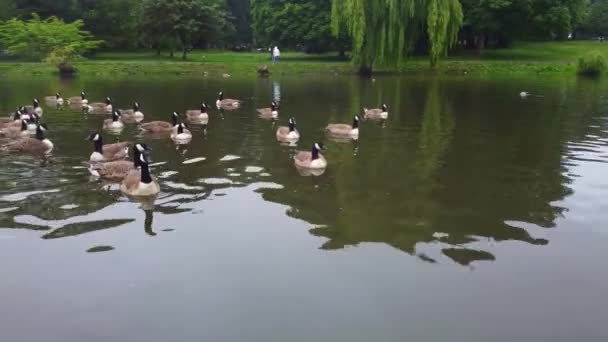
x,y
523,58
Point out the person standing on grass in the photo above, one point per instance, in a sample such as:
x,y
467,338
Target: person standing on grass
x,y
276,53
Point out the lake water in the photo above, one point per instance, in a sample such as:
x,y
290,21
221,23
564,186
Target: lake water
x,y
470,215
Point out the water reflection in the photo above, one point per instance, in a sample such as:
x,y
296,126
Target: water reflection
x,y
454,166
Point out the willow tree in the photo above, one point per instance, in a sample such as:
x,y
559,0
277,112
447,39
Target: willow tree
x,y
385,31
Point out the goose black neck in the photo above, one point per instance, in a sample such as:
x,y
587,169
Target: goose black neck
x,y
98,145
203,108
292,126
180,129
136,107
355,123
39,133
136,160
17,115
315,153
221,97
114,117
174,120
145,174
23,125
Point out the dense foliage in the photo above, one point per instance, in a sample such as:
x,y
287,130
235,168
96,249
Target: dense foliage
x,y
384,31
189,22
496,23
296,24
596,22
50,40
377,32
592,64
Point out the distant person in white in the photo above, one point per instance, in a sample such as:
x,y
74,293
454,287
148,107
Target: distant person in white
x,y
276,53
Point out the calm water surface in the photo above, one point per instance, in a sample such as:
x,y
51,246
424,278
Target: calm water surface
x,y
470,215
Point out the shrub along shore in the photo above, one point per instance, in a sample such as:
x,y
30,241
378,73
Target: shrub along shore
x,y
559,58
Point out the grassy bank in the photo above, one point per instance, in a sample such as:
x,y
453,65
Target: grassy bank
x,y
523,58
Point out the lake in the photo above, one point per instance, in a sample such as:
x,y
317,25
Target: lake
x,y
471,214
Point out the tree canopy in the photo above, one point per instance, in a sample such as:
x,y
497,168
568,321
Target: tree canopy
x,y
188,21
295,24
50,39
385,31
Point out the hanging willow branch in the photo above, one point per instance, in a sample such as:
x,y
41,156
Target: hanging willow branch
x,y
385,31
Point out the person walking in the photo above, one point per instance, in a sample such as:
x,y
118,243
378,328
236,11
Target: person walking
x,y
276,53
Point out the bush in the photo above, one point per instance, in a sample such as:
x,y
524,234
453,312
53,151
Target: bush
x,y
593,64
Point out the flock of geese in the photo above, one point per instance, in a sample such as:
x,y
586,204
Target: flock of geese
x,y
23,132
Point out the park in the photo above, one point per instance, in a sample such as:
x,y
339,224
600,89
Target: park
x,y
303,170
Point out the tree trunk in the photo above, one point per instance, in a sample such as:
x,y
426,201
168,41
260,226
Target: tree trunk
x,y
481,43
184,53
365,70
172,52
158,50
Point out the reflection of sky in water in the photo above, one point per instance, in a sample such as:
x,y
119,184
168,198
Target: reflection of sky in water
x,y
276,91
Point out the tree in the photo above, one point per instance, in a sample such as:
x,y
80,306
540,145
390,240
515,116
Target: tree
x,y
383,31
51,40
187,21
117,22
596,22
496,23
305,24
7,9
65,9
241,20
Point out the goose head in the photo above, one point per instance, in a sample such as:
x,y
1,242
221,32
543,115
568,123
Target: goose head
x,y
174,117
292,124
356,122
40,129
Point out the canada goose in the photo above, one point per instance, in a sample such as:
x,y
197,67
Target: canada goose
x,y
79,100
109,152
13,121
376,113
54,100
101,107
139,183
34,108
312,159
119,169
201,115
114,122
38,145
24,114
226,104
132,115
33,121
289,133
161,126
182,135
344,130
14,132
269,113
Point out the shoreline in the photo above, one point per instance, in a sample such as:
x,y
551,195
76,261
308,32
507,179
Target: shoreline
x,y
160,68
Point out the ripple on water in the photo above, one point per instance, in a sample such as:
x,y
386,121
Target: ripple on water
x,y
20,196
99,249
253,169
229,157
194,160
182,186
167,174
216,181
69,206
